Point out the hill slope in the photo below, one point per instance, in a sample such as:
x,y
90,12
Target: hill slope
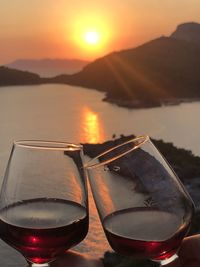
x,y
16,77
49,67
159,70
188,31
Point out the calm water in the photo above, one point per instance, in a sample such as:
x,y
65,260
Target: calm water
x,y
73,114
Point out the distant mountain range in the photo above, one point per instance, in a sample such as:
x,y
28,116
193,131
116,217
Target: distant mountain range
x,y
166,69
48,67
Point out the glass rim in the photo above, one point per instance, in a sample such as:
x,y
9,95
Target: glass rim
x,y
91,163
50,145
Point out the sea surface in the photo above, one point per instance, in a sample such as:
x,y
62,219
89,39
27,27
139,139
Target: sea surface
x,y
75,114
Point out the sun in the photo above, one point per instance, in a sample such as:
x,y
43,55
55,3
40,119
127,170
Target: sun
x,y
92,37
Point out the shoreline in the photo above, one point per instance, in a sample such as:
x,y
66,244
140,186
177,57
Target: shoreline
x,y
34,79
136,104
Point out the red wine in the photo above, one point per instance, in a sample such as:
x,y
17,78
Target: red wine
x,y
41,229
144,233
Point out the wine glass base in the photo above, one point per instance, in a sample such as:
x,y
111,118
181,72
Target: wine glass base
x,y
169,260
39,265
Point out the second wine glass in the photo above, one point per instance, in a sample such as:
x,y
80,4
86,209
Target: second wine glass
x,y
43,201
144,209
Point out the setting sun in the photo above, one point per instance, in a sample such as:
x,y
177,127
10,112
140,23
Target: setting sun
x,y
92,37
91,34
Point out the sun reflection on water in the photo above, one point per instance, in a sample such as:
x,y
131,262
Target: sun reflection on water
x,y
93,131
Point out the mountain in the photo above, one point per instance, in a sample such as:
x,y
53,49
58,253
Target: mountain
x,y
16,77
188,31
48,67
164,69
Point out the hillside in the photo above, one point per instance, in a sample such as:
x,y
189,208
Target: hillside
x,y
16,77
48,67
160,70
189,32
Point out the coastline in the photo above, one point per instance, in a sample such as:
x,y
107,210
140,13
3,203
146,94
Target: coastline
x,y
137,104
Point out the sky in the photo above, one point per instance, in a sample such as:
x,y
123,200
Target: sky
x,y
36,29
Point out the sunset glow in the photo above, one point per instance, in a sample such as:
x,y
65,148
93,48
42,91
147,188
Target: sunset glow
x,y
91,34
86,29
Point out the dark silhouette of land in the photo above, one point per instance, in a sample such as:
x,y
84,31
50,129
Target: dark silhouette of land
x,y
16,77
188,31
163,71
48,67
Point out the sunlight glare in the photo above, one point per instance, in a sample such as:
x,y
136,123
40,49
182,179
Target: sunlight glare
x,y
91,34
93,128
92,37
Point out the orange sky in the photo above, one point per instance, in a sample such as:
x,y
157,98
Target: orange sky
x,y
53,29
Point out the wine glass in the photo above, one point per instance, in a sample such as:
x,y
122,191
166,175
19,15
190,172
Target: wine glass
x,y
43,200
144,209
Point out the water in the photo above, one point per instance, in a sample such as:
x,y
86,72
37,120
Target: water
x,y
74,114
